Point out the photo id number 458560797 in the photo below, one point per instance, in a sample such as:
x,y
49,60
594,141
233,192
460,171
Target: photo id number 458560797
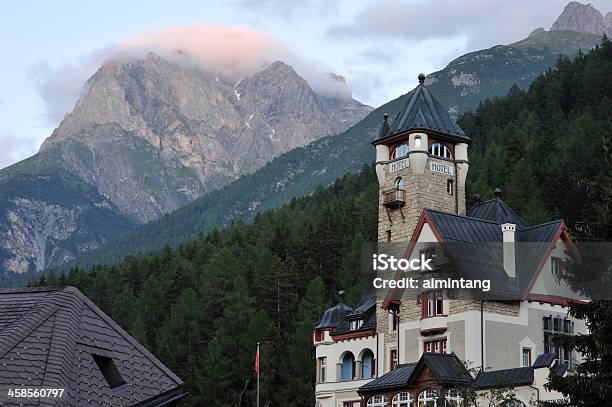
x,y
13,393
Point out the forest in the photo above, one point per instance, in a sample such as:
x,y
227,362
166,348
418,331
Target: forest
x,y
202,307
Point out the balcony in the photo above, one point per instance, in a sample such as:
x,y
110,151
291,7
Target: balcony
x,y
394,198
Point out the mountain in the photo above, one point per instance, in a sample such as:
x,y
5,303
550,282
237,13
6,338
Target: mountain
x,y
461,86
146,137
490,73
582,18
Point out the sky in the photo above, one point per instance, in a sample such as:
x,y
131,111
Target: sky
x,y
49,49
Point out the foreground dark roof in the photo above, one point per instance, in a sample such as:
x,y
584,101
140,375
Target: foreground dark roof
x,y
48,337
519,376
424,112
397,377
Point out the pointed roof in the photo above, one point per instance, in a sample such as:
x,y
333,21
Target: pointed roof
x,y
335,317
496,210
56,337
423,112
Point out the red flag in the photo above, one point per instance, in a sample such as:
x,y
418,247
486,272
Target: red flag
x,y
257,360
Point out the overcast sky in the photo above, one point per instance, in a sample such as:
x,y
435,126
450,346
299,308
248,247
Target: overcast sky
x,y
50,48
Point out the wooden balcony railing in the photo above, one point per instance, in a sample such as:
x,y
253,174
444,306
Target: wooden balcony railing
x,y
394,198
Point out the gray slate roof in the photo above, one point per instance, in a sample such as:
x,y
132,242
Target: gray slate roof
x,y
504,378
48,338
424,112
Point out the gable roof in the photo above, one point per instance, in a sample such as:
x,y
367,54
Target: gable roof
x,y
423,112
475,247
49,336
446,367
544,360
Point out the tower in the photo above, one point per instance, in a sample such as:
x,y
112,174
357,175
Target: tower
x,y
421,162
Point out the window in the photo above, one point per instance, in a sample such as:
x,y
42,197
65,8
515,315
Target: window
x,y
399,183
388,235
428,398
367,365
401,150
440,150
356,324
403,399
347,368
393,362
556,266
450,187
526,357
435,346
555,325
433,305
378,401
352,403
418,142
322,370
393,321
109,371
454,398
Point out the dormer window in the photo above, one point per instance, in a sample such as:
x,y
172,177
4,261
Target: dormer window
x,y
109,371
440,150
401,150
356,324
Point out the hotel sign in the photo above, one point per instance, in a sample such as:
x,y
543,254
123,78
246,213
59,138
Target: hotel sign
x,y
398,165
441,168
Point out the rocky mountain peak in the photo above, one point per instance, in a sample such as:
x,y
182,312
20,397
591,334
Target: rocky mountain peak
x,y
582,18
608,20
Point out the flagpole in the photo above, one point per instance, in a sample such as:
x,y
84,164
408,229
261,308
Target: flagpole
x,y
257,374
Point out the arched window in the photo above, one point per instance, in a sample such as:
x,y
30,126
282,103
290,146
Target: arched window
x,y
401,150
347,369
399,183
418,142
454,398
378,401
367,364
428,398
440,150
403,399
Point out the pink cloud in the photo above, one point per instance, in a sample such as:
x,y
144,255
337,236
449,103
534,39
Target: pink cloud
x,y
231,50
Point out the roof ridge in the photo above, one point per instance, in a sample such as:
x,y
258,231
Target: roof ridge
x,y
20,290
542,224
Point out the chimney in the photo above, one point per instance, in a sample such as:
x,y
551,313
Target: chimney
x,y
508,235
341,296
